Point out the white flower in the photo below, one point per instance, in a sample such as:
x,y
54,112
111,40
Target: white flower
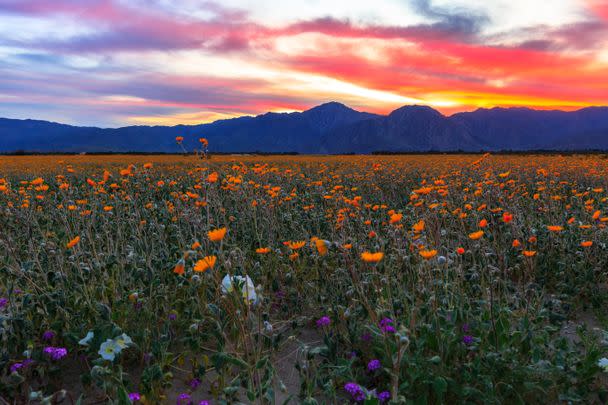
x,y
603,363
109,349
123,341
227,284
85,340
248,288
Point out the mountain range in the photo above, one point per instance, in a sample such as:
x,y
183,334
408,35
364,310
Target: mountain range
x,y
332,128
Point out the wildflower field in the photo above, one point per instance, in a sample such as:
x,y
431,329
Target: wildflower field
x,y
420,279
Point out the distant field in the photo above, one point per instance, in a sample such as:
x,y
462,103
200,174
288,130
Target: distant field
x,y
412,279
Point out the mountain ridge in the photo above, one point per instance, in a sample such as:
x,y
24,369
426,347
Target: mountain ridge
x,y
331,128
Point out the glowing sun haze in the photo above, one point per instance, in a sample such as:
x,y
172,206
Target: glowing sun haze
x,y
122,62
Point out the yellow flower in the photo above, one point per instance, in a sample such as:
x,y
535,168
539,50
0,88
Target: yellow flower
x,y
205,264
73,242
427,254
418,226
216,235
395,218
296,245
476,235
369,257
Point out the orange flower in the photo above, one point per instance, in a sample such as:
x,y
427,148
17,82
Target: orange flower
x,y
371,234
212,178
555,228
195,245
418,226
347,246
216,235
476,235
203,142
322,246
263,250
596,214
532,239
73,242
529,253
483,223
108,208
294,256
395,218
148,165
205,264
516,243
427,254
296,245
587,243
460,250
179,267
179,139
369,257
507,217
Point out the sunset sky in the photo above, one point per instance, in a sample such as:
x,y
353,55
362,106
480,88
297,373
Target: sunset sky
x,y
124,62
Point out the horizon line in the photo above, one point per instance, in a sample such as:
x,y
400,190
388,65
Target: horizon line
x,y
530,108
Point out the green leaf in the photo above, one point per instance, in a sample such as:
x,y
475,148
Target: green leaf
x,y
440,386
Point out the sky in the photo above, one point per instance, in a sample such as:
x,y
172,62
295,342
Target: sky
x,y
163,62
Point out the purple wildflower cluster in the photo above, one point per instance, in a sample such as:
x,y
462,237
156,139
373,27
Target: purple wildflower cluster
x,y
184,399
359,394
355,391
386,325
56,353
3,302
48,335
134,397
467,340
373,365
323,321
18,366
194,383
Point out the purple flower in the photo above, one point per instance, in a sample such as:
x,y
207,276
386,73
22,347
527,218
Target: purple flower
x,y
386,325
48,335
384,396
172,316
21,365
467,340
55,353
366,337
134,396
184,399
323,321
355,391
194,383
373,365
204,403
3,302
466,327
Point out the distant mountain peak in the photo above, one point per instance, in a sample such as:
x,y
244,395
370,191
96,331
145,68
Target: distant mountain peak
x,y
415,109
330,104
